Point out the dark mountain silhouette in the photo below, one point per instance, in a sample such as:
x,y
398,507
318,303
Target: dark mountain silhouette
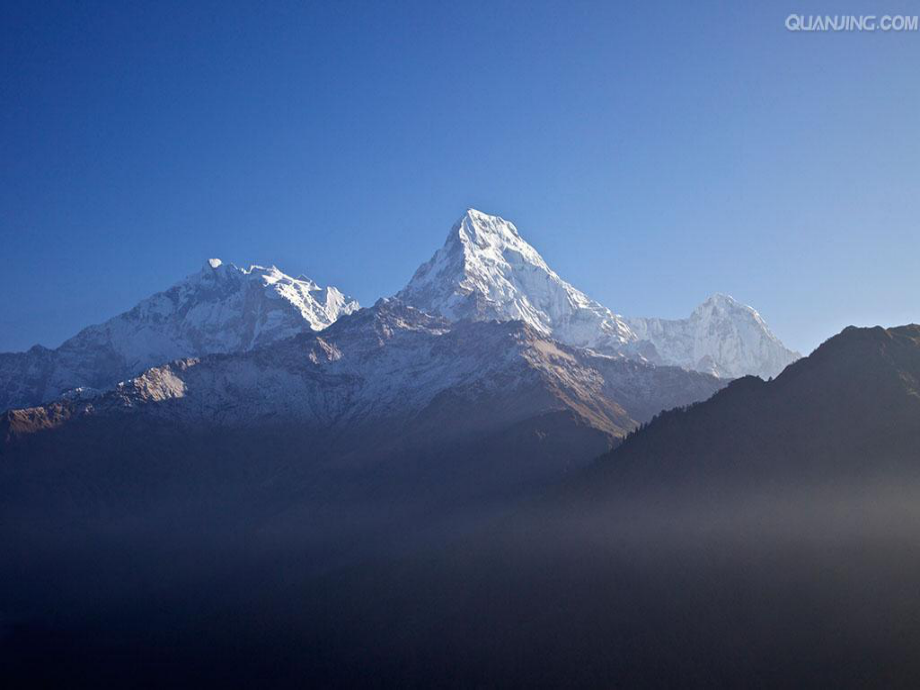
x,y
849,411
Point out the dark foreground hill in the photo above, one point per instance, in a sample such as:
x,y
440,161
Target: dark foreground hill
x,y
850,411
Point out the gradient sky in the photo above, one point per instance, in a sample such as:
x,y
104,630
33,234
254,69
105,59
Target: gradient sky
x,y
652,152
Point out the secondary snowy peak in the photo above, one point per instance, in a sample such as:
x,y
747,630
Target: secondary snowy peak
x,y
487,271
236,309
220,309
721,336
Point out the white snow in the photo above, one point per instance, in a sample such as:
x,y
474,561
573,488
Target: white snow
x,y
721,336
221,309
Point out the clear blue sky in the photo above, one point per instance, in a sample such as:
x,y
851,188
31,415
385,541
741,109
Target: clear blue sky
x,y
653,152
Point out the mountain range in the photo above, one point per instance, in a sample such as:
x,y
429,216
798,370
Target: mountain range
x,y
381,390
485,271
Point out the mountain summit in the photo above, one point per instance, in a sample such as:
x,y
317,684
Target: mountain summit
x,y
721,336
487,271
220,309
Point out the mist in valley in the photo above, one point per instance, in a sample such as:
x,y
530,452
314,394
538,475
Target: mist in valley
x,y
776,584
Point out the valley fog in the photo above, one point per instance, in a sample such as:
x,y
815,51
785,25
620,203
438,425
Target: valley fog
x,y
779,585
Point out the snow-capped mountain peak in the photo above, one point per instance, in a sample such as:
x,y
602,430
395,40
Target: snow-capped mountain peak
x,y
720,305
721,336
480,232
487,271
220,309
722,302
317,306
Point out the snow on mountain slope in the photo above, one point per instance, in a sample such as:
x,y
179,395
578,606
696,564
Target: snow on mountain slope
x,y
220,309
721,336
393,362
486,270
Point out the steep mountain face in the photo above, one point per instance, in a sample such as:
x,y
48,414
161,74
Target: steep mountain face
x,y
486,270
218,310
721,336
849,411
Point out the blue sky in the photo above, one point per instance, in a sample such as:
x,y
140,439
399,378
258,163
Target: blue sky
x,y
653,152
